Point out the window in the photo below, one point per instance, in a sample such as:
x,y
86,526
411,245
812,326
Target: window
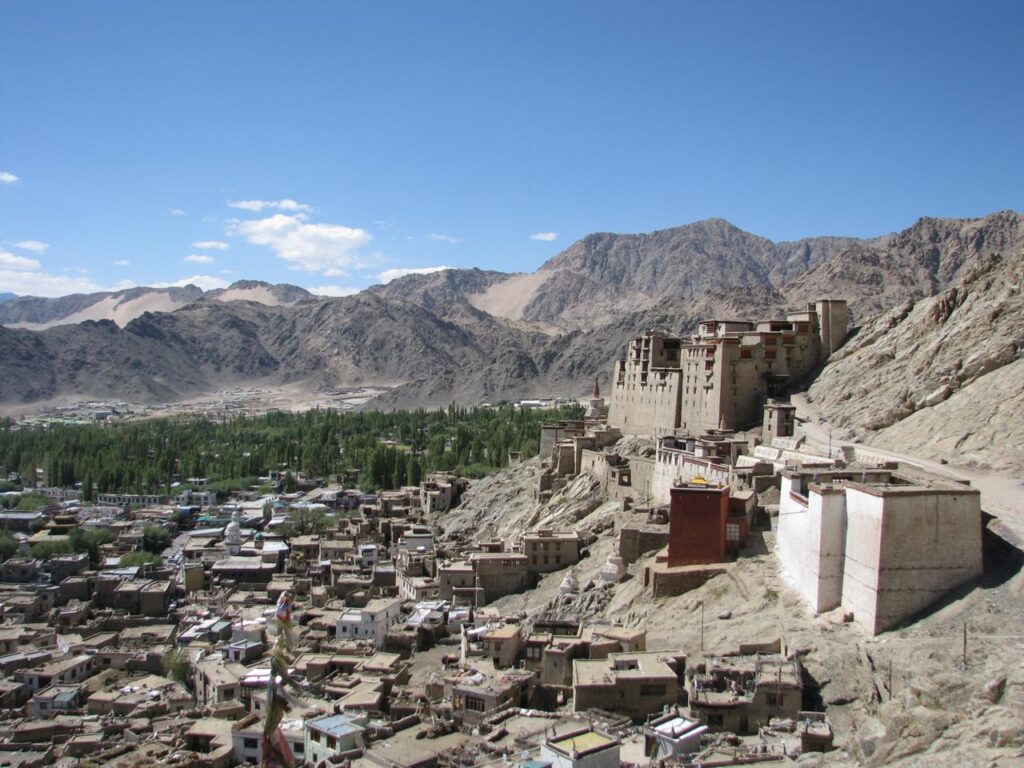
x,y
652,690
250,743
315,736
533,652
474,704
732,532
332,743
773,699
298,748
716,720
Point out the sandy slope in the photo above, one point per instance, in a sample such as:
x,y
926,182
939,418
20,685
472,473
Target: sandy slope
x,y
509,298
113,308
262,295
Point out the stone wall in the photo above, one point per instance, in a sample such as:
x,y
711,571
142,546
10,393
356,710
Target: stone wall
x,y
669,582
635,541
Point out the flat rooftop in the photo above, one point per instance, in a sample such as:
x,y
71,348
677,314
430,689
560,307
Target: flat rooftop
x,y
583,742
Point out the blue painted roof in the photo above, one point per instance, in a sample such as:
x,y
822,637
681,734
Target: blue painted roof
x,y
337,725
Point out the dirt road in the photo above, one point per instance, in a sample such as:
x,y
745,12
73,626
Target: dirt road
x,y
1001,496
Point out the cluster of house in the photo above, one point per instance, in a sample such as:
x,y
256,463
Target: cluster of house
x,y
401,659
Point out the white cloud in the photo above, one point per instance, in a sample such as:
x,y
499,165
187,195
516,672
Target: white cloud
x,y
121,263
178,212
444,238
328,248
206,282
32,245
333,291
7,178
199,258
210,245
393,274
280,205
10,261
41,284
547,237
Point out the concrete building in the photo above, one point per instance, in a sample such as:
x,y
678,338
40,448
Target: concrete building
x,y
245,569
477,696
437,492
456,582
673,736
327,737
20,570
502,644
581,748
500,573
371,622
881,544
779,421
190,498
217,681
54,699
416,538
247,739
740,694
721,377
63,671
483,578
22,522
635,684
549,550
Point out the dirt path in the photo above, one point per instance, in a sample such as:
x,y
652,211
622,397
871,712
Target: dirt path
x,y
1001,496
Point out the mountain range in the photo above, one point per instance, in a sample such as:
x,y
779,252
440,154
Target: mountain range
x,y
37,314
468,335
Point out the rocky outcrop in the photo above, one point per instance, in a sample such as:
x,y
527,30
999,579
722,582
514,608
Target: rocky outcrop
x,y
942,376
928,258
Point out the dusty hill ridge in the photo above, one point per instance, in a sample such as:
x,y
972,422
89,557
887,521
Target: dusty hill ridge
x,y
121,307
927,258
604,276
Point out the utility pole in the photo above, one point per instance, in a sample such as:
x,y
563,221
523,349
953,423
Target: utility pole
x,y
965,643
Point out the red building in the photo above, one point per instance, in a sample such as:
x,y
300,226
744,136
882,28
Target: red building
x,y
697,524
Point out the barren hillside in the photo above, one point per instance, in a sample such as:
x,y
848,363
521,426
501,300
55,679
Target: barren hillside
x,y
942,376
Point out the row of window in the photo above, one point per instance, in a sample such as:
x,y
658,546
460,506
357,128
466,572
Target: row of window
x,y
314,736
557,560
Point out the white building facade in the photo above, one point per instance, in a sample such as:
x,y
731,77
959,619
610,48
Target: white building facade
x,y
370,622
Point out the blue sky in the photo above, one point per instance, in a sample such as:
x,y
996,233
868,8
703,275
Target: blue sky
x,y
328,144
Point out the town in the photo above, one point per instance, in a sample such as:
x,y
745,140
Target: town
x,y
324,625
